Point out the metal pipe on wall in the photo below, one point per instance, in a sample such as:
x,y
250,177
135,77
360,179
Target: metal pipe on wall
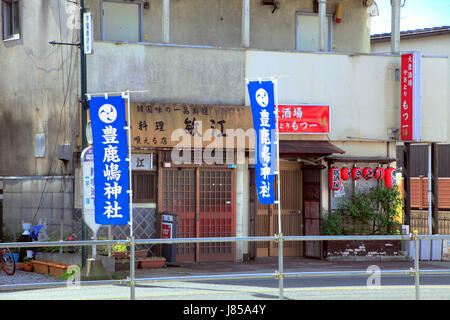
x,y
395,26
322,25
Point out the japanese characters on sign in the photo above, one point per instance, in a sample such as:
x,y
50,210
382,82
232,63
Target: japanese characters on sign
x,y
154,124
304,119
141,162
111,175
88,178
88,34
336,175
263,109
410,107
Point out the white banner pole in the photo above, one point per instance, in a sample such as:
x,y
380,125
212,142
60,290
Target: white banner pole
x,y
130,194
280,234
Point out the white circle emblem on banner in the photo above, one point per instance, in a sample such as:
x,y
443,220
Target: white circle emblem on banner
x,y
107,113
262,97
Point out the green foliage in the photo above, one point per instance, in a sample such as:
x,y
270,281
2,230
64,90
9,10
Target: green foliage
x,y
69,274
370,213
103,250
119,247
54,236
332,224
7,235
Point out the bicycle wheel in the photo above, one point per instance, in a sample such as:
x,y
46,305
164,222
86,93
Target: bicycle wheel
x,y
8,262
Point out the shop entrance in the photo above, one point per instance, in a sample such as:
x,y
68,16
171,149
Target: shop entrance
x,y
311,205
204,201
291,213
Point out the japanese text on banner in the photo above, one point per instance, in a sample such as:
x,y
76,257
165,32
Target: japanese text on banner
x,y
263,111
111,175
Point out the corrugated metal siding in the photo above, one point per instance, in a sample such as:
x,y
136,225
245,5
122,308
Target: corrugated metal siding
x,y
419,193
419,160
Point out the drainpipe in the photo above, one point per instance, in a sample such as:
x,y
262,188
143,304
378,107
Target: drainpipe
x,y
395,26
245,23
166,21
322,25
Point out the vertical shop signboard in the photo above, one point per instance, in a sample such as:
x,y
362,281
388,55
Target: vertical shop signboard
x,y
410,102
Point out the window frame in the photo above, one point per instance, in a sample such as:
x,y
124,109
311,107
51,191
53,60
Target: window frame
x,y
153,198
140,19
15,35
329,16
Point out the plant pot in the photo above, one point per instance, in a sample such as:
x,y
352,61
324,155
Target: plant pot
x,y
40,267
57,270
26,266
124,264
120,255
152,263
140,253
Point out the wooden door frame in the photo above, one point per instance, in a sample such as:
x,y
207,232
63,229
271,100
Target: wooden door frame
x,y
268,228
318,167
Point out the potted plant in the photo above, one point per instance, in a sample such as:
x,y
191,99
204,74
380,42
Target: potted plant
x,y
57,269
40,266
152,262
120,251
27,265
140,252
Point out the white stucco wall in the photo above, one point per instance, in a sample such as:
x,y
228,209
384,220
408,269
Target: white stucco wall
x,y
438,94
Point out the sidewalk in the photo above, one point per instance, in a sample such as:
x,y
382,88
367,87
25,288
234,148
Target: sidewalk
x,y
290,264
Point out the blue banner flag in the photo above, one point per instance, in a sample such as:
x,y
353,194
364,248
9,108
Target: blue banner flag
x,y
111,176
261,95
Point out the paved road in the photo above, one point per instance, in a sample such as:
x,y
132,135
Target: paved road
x,y
393,287
330,288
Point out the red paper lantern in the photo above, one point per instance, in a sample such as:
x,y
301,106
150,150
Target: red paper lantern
x,y
389,177
379,173
345,173
334,178
368,173
356,173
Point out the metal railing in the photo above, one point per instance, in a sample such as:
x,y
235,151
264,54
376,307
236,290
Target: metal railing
x,y
279,275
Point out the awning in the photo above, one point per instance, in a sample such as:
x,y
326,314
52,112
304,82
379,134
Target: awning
x,y
307,147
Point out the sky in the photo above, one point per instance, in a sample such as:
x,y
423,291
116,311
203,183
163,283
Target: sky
x,y
415,14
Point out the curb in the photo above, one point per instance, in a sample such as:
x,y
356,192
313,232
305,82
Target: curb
x,y
369,258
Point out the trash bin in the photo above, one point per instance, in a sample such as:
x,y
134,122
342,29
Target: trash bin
x,y
169,230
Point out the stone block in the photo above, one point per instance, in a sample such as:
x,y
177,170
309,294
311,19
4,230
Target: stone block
x,y
54,185
57,215
12,186
27,200
47,201
27,215
68,200
57,200
16,200
68,216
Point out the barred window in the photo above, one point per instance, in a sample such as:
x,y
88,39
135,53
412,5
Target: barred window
x,y
144,187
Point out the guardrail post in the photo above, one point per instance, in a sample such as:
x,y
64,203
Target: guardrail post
x,y
416,264
132,269
280,266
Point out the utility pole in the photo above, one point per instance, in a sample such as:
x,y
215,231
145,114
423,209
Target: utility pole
x,y
84,107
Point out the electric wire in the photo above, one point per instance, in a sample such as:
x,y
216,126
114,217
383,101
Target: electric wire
x,y
65,88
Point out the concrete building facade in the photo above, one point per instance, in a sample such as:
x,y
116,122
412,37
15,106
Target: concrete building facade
x,y
197,54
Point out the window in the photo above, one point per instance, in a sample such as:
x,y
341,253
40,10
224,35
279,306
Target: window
x,y
308,32
10,18
122,21
144,186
